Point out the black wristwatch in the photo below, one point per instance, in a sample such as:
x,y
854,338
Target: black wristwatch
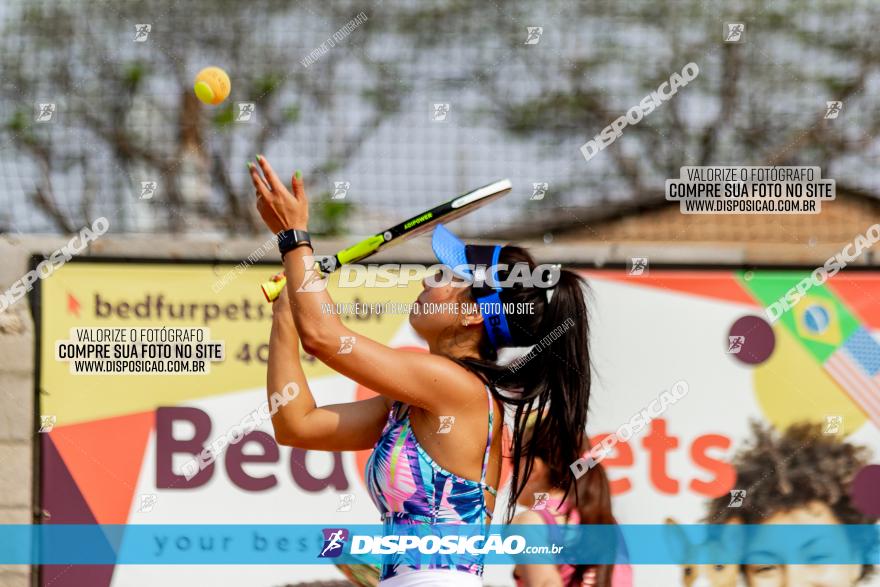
x,y
291,239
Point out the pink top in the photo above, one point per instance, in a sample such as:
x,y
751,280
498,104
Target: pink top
x,y
621,575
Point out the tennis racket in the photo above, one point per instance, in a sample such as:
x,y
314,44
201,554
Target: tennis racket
x,y
403,231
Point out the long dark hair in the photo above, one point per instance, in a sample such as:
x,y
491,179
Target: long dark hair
x,y
549,391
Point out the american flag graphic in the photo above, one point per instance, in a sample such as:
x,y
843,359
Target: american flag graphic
x,y
855,366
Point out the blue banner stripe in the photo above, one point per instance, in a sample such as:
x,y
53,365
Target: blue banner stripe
x,y
302,544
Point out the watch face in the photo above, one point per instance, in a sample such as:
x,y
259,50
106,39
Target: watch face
x,y
292,238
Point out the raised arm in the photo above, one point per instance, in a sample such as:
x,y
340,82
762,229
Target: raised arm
x,y
299,422
429,381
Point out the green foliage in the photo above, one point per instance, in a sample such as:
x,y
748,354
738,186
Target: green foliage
x,y
290,114
133,100
224,116
327,217
266,85
133,75
19,122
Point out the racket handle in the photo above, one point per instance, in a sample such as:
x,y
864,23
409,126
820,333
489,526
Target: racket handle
x,y
327,265
272,289
356,252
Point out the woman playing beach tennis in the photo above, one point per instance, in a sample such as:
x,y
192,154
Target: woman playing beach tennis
x,y
415,475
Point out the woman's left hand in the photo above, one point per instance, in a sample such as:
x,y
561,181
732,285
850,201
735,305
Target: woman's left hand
x,y
279,208
281,305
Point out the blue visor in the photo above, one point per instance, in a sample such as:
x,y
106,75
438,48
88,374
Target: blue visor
x,y
452,252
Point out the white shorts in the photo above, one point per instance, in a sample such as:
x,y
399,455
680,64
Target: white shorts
x,y
434,578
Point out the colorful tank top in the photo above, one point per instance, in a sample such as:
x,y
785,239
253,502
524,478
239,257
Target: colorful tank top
x,y
410,488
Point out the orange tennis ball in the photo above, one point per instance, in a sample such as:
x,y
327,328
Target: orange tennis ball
x,y
212,85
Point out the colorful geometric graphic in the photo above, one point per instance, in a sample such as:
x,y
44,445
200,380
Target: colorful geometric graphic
x,y
856,368
820,358
758,340
792,387
865,490
830,332
816,320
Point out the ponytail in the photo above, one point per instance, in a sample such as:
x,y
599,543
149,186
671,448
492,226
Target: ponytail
x,y
562,378
549,389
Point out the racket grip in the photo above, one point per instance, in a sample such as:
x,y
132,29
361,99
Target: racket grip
x,y
272,289
324,266
360,250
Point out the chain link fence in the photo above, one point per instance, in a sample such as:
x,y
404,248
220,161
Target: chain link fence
x,y
391,107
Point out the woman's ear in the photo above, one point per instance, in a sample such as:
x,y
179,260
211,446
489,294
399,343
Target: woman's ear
x,y
469,313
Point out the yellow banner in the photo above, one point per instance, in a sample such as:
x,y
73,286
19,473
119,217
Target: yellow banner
x,y
223,298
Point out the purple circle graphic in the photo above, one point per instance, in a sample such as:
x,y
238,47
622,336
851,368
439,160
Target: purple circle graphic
x,y
751,340
865,491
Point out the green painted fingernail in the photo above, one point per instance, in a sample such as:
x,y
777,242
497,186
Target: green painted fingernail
x,y
259,157
299,174
250,165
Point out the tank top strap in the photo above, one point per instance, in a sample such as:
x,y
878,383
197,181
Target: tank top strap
x,y
399,411
485,467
